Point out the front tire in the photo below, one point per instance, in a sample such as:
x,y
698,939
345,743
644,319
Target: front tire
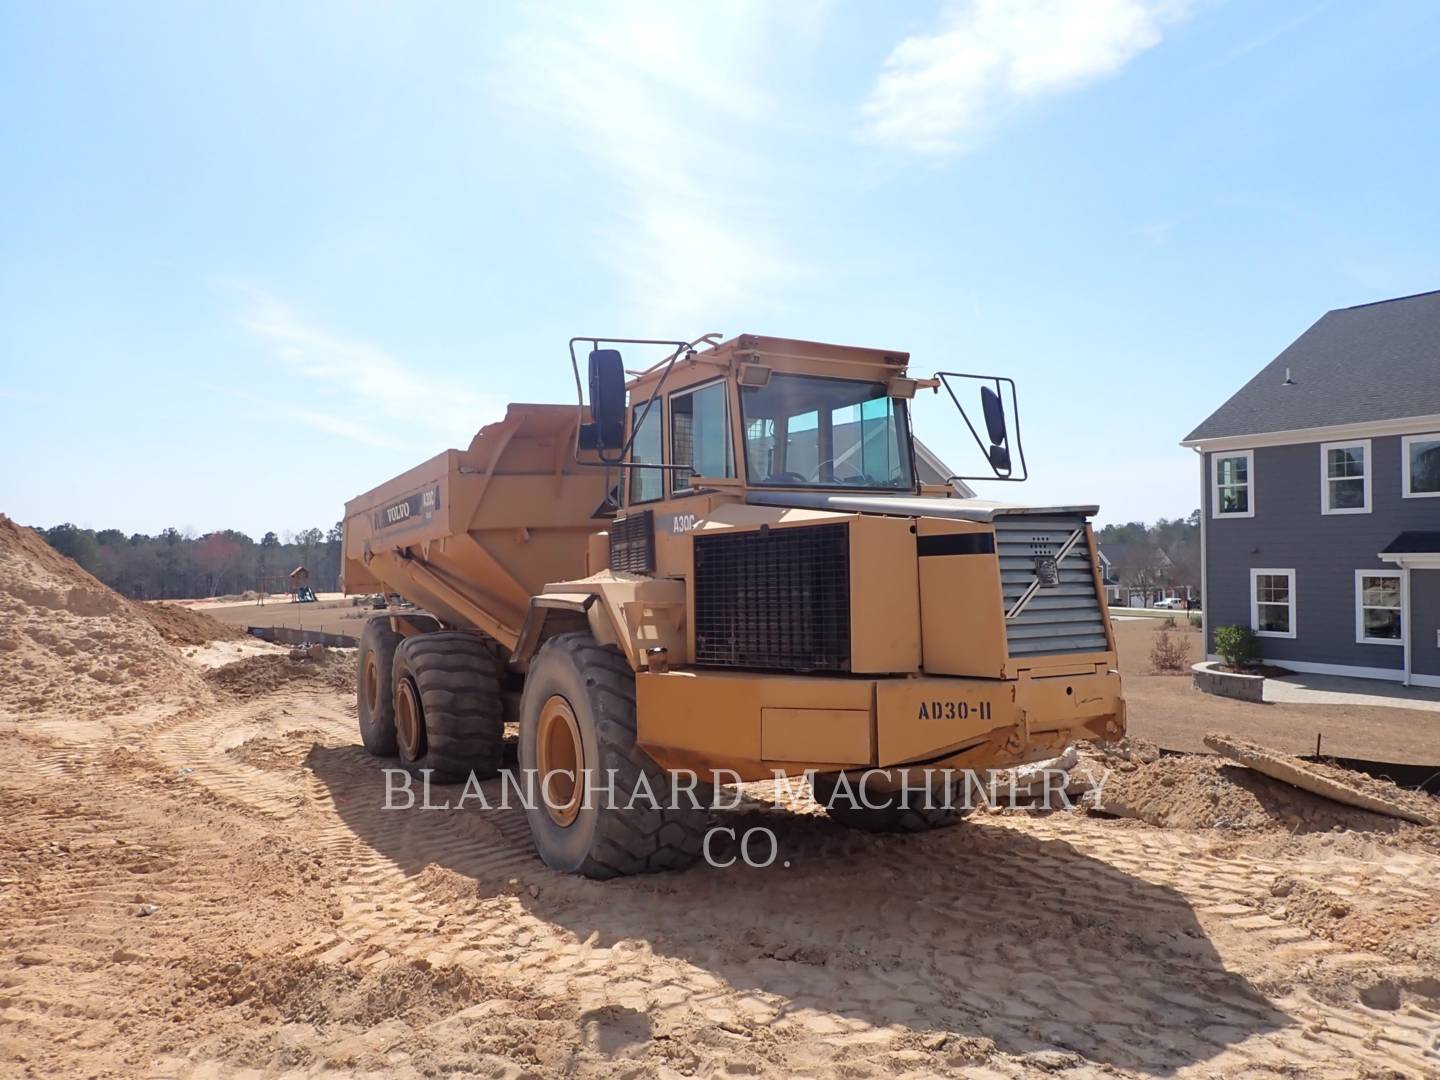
x,y
577,716
449,716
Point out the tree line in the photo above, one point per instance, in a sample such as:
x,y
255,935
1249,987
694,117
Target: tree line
x,y
1154,558
177,564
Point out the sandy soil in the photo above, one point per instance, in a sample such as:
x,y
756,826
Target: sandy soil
x,y
69,644
1168,710
184,626
209,884
340,616
220,888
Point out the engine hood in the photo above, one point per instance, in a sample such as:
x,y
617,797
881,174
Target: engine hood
x,y
981,510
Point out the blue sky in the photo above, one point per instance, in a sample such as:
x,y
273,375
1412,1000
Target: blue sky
x,y
257,258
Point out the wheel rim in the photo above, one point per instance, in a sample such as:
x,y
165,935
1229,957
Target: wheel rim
x,y
560,757
371,683
409,721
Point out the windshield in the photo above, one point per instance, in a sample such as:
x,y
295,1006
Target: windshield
x,y
804,431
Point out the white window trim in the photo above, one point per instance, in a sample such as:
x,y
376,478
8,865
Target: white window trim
x,y
1325,478
1360,638
1405,442
1249,456
1255,603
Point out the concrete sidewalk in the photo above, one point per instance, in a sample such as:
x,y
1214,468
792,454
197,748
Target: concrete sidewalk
x,y
1300,689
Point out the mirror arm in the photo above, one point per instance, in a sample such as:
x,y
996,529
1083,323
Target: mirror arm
x,y
682,348
944,377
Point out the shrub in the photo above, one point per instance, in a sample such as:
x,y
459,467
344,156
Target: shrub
x,y
1195,620
1169,654
1170,622
1235,644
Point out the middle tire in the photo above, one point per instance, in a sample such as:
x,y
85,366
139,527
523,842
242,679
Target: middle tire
x,y
851,804
578,715
449,716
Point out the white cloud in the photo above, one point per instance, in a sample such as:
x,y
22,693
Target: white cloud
x,y
369,434
937,91
666,102
370,395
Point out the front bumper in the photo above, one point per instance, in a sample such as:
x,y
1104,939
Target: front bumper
x,y
758,724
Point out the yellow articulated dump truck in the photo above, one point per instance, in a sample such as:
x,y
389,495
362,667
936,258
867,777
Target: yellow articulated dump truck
x,y
724,568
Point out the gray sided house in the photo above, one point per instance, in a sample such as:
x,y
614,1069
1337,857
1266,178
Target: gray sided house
x,y
1321,498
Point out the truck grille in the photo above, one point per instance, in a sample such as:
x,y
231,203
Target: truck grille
x,y
632,543
774,598
1064,618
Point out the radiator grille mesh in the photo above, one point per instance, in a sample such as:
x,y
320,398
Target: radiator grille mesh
x,y
774,598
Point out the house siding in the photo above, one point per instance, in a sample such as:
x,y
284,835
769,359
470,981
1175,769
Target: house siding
x,y
1425,622
1289,531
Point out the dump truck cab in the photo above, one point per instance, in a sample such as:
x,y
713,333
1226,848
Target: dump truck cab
x,y
724,566
792,598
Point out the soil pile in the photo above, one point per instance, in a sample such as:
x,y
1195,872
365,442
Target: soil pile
x,y
68,643
1199,792
185,626
1331,781
333,669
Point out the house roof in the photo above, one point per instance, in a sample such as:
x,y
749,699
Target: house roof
x,y
1414,543
1356,365
934,471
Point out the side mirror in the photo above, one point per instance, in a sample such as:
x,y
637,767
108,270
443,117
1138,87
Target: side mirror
x,y
606,430
999,453
994,415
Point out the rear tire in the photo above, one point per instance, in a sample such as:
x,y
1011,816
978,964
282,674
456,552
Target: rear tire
x,y
449,717
578,689
889,811
375,695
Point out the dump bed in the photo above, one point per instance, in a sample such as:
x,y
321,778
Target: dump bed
x,y
471,535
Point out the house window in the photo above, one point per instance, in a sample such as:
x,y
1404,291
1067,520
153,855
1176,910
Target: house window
x,y
1379,618
646,484
1272,603
1420,462
1345,478
1234,484
700,434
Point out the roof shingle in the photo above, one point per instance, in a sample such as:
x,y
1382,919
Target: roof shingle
x,y
1373,362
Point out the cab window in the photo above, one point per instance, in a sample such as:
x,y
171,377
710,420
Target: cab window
x,y
646,484
699,434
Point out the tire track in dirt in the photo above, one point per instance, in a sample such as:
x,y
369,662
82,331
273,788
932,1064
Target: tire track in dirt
x,y
1204,1004
1123,949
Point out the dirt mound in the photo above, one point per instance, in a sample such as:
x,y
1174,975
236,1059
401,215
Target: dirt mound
x,y
185,626
1187,791
333,669
1331,781
68,643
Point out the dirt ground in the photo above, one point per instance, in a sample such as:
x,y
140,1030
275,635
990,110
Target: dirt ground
x,y
1169,711
341,616
209,884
